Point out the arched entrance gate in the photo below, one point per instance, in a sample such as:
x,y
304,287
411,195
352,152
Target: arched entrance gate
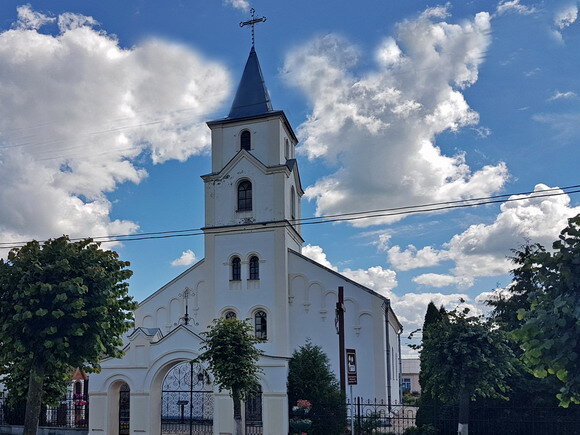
x,y
187,400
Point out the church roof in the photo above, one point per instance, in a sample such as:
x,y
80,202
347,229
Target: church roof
x,y
252,97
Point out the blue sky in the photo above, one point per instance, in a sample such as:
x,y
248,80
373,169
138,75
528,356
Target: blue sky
x,y
103,105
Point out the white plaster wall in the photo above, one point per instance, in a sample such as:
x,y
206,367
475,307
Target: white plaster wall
x,y
221,196
164,308
267,141
313,294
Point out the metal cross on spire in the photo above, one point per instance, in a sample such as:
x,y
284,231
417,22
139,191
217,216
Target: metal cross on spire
x,y
252,22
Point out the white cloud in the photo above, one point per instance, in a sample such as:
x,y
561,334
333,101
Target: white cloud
x,y
562,95
482,132
533,72
316,253
29,19
79,113
382,242
495,294
376,278
238,4
440,12
440,280
187,259
410,308
514,6
563,18
411,258
566,125
70,21
379,128
566,16
483,250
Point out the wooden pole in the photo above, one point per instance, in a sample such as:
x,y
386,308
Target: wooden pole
x,y
340,328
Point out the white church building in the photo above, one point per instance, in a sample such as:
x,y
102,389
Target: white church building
x,y
253,269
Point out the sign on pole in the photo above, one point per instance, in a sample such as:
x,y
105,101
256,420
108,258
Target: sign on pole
x,y
351,366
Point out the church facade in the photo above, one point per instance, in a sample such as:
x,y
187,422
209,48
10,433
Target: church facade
x,y
253,269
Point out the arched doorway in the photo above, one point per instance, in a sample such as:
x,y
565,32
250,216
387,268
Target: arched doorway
x,y
124,409
187,400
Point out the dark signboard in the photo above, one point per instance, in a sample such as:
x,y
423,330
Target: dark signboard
x,y
351,371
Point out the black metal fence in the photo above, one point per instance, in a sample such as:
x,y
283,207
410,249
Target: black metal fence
x,y
376,417
72,412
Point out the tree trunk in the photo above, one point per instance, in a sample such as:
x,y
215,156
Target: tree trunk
x,y
34,398
238,412
464,399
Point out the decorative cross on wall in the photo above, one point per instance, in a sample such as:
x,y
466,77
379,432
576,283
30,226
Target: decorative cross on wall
x,y
252,22
185,295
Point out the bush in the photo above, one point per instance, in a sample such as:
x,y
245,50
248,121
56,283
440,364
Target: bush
x,y
368,423
411,399
426,429
310,378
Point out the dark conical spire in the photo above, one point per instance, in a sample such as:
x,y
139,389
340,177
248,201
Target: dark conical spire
x,y
252,97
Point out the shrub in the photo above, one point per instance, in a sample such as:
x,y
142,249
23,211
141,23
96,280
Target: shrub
x,y
310,378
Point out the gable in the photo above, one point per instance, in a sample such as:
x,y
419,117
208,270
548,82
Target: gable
x,y
245,155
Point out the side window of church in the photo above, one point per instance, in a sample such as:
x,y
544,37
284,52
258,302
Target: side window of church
x,y
292,203
236,269
254,268
230,315
245,140
261,325
245,196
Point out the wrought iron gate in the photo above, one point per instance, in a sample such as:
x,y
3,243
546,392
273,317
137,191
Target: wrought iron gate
x,y
124,409
187,401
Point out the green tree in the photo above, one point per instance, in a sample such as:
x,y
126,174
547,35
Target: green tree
x,y
550,332
231,353
466,357
526,390
310,378
428,402
63,305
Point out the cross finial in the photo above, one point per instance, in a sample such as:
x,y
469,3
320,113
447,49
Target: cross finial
x,y
252,22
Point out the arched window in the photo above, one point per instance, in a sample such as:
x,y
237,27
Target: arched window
x,y
245,140
261,325
230,314
286,148
254,267
245,196
292,203
236,269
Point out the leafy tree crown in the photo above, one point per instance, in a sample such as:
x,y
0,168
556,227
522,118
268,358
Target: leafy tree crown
x,y
64,304
231,353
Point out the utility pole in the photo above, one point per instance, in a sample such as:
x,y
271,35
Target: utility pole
x,y
339,323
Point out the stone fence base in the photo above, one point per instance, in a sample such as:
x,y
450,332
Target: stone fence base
x,y
17,430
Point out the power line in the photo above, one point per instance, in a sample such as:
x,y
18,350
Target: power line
x,y
367,212
342,217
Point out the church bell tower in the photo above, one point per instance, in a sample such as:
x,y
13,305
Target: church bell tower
x,y
252,205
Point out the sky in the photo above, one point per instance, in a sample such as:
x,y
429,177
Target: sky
x,y
103,107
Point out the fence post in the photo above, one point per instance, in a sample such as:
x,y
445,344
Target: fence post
x,y
358,415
